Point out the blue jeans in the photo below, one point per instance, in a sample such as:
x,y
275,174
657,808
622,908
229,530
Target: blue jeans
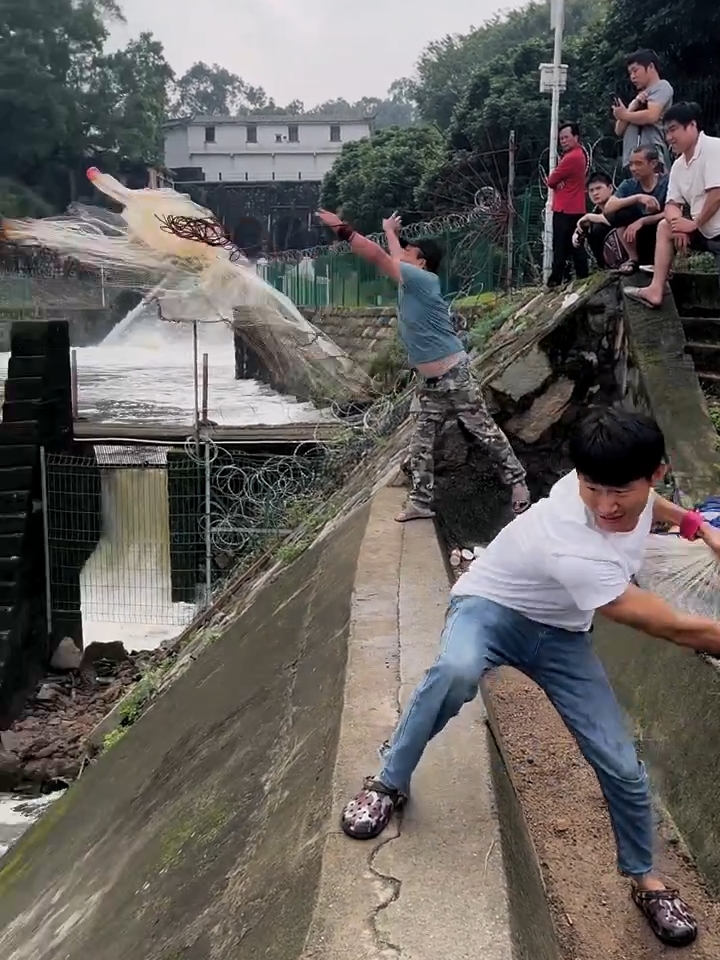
x,y
480,635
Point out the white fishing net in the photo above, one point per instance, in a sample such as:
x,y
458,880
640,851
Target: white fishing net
x,y
685,573
176,253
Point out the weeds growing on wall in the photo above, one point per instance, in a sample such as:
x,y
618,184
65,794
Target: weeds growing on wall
x,y
132,707
491,315
388,364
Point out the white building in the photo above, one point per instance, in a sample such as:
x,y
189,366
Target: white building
x,y
259,148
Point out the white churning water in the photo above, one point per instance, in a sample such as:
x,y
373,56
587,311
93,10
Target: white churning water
x,y
143,370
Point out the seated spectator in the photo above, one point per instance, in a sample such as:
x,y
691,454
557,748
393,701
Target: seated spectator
x,y
594,228
637,207
694,184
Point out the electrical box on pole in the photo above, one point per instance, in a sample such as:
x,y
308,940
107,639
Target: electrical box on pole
x,y
547,77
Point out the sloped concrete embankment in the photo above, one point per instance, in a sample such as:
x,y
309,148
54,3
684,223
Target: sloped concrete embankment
x,y
435,884
210,831
671,695
200,835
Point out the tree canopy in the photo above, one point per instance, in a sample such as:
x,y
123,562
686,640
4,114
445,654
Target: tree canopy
x,y
397,109
447,66
375,176
64,101
478,87
214,91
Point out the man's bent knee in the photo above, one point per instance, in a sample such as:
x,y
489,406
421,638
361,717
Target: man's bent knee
x,y
664,231
627,769
460,674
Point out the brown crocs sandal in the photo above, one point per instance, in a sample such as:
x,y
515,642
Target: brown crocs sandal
x,y
370,811
669,916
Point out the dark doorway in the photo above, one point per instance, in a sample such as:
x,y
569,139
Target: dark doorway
x,y
248,236
290,232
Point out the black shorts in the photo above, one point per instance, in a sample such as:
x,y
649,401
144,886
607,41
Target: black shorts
x,y
702,244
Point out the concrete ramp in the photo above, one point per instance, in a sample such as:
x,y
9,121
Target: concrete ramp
x,y
210,831
200,835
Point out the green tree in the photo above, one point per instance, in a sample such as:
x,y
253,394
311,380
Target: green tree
x,y
213,91
380,174
684,34
397,109
447,66
130,102
46,48
17,200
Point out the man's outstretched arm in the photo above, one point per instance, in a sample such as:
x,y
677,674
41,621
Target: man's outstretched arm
x,y
360,245
647,612
667,512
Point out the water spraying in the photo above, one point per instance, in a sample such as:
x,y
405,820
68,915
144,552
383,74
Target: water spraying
x,y
176,251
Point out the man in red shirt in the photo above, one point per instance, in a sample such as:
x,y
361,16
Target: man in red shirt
x,y
567,181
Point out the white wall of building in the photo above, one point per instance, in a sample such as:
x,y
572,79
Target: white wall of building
x,y
267,149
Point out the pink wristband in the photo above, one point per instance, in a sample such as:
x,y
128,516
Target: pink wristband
x,y
690,524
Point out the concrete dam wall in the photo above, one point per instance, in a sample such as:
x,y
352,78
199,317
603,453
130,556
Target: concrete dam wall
x,y
200,834
209,832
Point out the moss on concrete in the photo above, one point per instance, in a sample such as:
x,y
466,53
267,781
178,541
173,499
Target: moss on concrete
x,y
15,865
193,830
201,832
657,345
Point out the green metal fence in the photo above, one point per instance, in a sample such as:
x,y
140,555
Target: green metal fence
x,y
475,261
476,245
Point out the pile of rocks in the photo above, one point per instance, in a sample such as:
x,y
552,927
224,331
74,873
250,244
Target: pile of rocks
x,y
46,745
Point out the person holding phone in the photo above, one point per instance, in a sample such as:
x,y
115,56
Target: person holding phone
x,y
640,123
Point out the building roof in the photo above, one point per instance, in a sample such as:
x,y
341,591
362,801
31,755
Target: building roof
x,y
281,118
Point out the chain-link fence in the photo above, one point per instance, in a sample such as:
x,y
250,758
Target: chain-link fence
x,y
148,535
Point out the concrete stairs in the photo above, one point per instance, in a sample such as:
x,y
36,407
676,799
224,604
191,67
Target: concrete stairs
x,y
698,302
702,330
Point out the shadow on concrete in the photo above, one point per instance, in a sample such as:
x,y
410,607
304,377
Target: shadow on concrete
x,y
200,834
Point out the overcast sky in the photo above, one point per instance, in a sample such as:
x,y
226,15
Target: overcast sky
x,y
310,50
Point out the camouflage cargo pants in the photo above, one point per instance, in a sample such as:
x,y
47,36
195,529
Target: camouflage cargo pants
x,y
454,395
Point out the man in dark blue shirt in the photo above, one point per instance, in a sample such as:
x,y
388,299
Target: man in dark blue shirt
x,y
637,207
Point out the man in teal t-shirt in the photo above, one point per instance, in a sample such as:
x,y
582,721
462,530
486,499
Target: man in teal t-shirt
x,y
445,385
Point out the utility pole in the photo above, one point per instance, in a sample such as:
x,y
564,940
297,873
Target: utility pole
x,y
557,85
512,150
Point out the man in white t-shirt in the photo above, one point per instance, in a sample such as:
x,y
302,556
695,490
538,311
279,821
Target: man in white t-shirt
x,y
528,602
694,185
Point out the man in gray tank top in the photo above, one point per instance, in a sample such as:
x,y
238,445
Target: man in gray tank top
x,y
640,122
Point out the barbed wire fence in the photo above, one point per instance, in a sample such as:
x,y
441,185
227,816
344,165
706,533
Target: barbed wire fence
x,y
150,535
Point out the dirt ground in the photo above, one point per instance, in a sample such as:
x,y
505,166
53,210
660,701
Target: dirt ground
x,y
566,815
